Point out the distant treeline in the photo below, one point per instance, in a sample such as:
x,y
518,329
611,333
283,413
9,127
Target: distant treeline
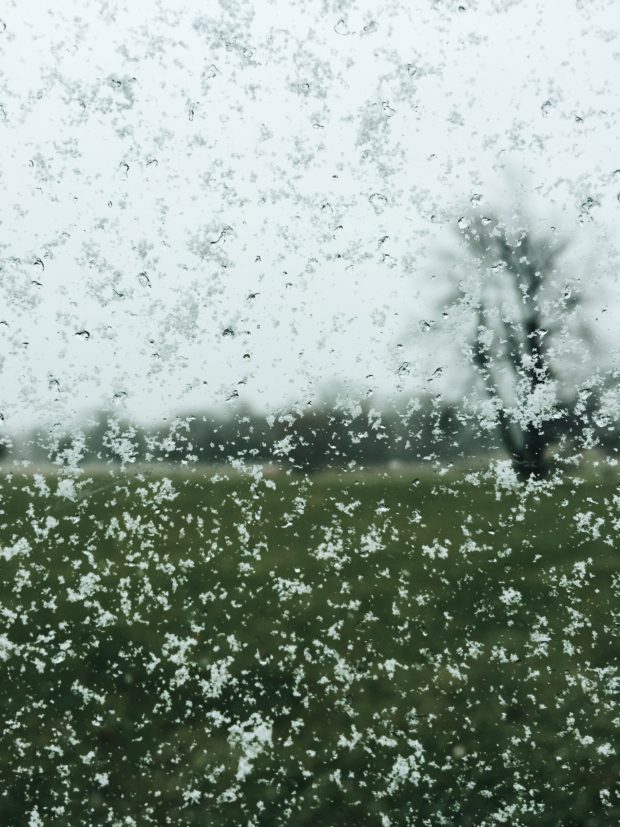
x,y
320,437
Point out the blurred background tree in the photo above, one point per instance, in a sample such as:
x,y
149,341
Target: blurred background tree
x,y
521,301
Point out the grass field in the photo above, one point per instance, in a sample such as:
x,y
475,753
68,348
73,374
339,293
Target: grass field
x,y
326,650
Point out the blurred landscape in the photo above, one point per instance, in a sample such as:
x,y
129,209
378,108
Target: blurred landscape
x,y
310,414
362,611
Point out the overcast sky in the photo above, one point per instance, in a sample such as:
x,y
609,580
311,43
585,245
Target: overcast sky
x,y
215,200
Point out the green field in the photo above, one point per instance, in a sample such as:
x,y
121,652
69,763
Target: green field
x,y
330,650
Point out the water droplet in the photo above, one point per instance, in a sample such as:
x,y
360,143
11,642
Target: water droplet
x,y
546,108
589,203
305,87
378,201
83,333
411,69
228,331
463,223
341,27
144,280
221,235
425,326
475,199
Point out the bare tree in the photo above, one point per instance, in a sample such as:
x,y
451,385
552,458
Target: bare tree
x,y
520,300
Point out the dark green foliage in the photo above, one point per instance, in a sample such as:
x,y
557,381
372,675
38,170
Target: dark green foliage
x,y
326,436
317,438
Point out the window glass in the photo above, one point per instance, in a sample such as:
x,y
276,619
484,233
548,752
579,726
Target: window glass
x,y
309,421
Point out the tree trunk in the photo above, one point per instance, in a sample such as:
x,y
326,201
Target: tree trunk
x,y
529,460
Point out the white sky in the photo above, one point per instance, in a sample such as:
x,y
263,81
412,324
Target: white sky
x,y
299,135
